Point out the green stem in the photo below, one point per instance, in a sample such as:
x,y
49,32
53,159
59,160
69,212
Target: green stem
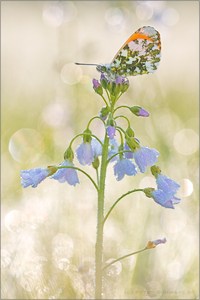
x,y
104,99
122,257
115,203
121,106
100,218
82,134
118,96
97,174
120,152
96,117
74,138
120,116
108,95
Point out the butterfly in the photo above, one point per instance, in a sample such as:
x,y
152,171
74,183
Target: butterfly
x,y
140,54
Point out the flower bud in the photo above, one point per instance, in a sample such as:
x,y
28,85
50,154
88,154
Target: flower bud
x,y
155,170
130,132
119,80
139,111
122,83
104,113
97,87
69,154
104,81
87,136
95,163
132,143
125,85
153,244
113,89
148,192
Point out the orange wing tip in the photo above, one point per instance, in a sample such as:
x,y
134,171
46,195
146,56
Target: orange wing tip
x,y
148,33
136,36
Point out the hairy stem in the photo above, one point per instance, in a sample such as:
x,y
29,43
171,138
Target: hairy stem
x,y
100,219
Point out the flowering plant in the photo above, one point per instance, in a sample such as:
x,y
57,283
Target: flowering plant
x,y
120,146
126,154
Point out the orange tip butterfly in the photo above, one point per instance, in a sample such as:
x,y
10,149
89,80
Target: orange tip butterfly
x,y
140,54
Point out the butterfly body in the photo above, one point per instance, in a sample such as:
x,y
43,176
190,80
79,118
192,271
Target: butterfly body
x,y
139,55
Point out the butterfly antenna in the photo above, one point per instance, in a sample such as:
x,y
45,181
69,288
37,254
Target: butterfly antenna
x,y
83,64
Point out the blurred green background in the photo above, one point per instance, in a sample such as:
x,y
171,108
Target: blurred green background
x,y
48,233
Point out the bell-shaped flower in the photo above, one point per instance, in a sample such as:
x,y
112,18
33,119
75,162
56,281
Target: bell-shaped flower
x,y
88,151
96,147
33,177
165,199
68,175
166,189
111,131
145,157
166,184
124,167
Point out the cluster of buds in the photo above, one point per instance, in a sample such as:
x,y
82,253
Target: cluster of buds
x,y
114,87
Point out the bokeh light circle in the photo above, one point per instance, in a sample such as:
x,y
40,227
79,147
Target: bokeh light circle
x,y
53,14
144,11
186,188
170,16
26,145
114,16
71,74
54,115
186,141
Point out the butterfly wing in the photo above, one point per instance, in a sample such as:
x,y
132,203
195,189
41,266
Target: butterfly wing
x,y
139,55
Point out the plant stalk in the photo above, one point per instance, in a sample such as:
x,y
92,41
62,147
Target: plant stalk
x,y
100,219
